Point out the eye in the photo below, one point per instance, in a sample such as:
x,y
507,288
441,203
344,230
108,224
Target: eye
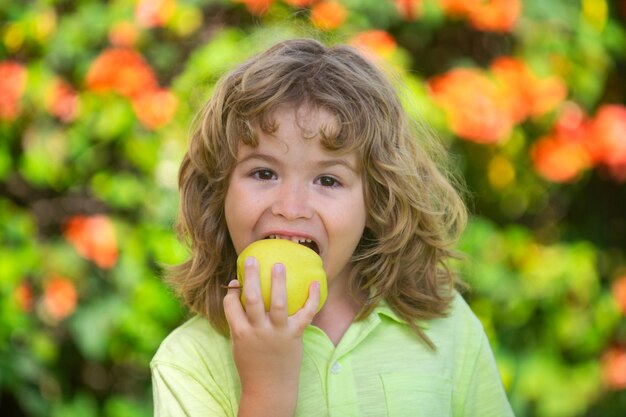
x,y
328,181
264,174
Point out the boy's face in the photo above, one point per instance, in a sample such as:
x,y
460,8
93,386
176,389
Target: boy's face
x,y
291,187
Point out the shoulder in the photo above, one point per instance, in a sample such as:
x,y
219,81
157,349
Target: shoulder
x,y
193,369
459,318
460,313
476,378
459,334
459,321
193,340
462,366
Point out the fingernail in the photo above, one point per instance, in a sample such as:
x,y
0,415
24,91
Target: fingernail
x,y
279,268
250,261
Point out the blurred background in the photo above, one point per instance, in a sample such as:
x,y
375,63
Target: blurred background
x,y
96,99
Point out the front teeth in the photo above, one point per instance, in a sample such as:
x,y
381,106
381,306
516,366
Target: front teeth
x,y
292,238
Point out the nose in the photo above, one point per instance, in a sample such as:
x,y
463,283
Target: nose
x,y
292,201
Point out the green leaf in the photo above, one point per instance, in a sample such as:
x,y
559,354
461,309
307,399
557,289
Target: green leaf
x,y
93,325
83,405
118,406
122,190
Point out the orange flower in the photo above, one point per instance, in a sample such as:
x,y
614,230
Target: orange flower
x,y
458,7
93,238
572,122
125,72
61,100
23,295
375,43
60,297
528,95
409,9
563,155
12,85
256,7
487,15
607,139
123,35
328,15
546,95
559,159
299,3
495,15
155,108
121,70
154,13
618,290
614,368
476,109
516,81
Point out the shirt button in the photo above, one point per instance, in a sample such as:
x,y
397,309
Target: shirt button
x,y
336,368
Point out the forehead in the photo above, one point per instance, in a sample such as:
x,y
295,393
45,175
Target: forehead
x,y
305,121
312,132
314,124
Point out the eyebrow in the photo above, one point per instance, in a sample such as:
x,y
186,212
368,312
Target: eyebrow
x,y
337,161
325,163
257,155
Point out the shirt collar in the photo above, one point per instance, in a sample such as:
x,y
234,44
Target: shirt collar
x,y
383,309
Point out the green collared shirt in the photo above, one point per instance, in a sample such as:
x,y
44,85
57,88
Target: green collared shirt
x,y
379,368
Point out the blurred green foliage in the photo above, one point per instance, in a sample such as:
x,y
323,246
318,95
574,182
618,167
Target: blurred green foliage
x,y
88,195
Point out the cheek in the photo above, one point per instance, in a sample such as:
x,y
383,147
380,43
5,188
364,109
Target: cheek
x,y
242,205
229,207
243,208
359,214
349,225
234,212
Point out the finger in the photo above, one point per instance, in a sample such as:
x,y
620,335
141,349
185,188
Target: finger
x,y
305,315
232,305
278,306
255,309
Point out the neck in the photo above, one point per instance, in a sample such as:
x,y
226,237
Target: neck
x,y
338,312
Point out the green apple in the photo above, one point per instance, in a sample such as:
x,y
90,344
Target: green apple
x,y
303,266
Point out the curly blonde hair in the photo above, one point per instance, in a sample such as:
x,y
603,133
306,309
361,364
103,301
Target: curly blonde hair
x,y
415,213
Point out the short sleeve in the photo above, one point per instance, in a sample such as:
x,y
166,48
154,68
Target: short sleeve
x,y
177,393
193,373
484,394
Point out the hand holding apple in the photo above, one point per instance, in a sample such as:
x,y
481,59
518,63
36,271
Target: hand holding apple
x,y
267,339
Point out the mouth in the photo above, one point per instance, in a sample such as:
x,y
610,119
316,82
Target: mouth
x,y
304,241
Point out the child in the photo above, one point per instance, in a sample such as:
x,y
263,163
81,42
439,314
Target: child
x,y
308,142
